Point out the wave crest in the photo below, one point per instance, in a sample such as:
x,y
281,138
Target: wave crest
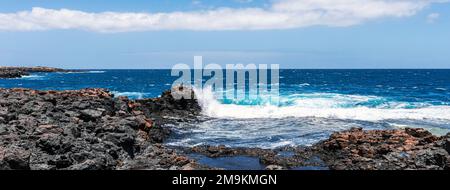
x,y
323,105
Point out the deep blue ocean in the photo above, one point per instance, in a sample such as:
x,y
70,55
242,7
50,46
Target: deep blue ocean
x,y
314,103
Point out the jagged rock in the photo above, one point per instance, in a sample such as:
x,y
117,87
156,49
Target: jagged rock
x,y
419,133
384,149
84,129
12,73
14,157
169,107
90,114
447,142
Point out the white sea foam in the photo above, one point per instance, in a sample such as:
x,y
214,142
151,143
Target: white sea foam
x,y
137,95
33,77
96,71
81,72
323,107
303,84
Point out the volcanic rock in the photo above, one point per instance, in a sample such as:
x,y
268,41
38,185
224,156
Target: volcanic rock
x,y
17,72
86,129
384,149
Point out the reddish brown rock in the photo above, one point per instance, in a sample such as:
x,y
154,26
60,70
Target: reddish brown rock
x,y
384,149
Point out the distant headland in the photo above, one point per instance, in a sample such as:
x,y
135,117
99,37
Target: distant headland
x,y
17,72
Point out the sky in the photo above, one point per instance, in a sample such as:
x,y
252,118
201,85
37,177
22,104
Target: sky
x,y
102,34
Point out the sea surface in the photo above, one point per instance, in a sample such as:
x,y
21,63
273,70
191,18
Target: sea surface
x,y
313,103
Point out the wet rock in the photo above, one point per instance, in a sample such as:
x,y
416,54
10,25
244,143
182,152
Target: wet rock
x,y
417,132
158,134
168,107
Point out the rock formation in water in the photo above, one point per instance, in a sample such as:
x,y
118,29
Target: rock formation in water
x,y
355,149
17,72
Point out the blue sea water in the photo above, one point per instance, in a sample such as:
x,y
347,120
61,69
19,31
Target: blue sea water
x,y
314,103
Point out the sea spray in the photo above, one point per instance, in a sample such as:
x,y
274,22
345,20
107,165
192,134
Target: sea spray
x,y
332,106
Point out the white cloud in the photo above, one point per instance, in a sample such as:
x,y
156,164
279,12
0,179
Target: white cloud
x,y
282,14
431,18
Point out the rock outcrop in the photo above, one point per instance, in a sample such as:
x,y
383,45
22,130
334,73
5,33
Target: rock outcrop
x,y
12,73
355,149
17,72
385,150
84,129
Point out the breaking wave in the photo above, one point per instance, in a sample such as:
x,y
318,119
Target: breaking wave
x,y
324,105
33,77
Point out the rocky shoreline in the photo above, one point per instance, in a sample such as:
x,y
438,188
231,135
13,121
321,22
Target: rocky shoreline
x,y
17,72
355,149
92,129
87,129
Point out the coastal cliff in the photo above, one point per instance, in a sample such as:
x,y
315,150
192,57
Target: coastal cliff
x,y
92,129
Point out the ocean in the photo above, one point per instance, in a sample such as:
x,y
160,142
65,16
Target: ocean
x,y
313,103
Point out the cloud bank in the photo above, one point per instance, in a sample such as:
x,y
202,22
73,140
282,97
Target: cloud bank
x,y
281,14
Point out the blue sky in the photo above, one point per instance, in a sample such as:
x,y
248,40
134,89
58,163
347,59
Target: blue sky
x,y
357,36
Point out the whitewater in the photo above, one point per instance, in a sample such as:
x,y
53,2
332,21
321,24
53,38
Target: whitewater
x,y
335,106
312,104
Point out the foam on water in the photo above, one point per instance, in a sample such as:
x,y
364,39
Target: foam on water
x,y
336,106
82,72
96,71
262,132
33,77
132,95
